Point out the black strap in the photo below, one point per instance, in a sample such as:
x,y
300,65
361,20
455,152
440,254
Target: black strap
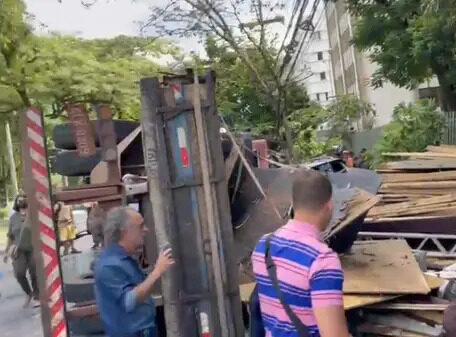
x,y
272,272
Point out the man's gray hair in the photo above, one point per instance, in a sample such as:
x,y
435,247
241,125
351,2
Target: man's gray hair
x,y
116,221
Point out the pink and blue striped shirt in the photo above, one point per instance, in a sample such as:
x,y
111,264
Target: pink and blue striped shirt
x,y
309,274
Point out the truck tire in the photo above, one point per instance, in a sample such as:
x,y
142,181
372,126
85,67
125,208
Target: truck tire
x,y
86,326
79,290
69,163
63,136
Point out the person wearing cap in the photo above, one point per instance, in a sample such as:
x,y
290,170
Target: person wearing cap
x,y
19,247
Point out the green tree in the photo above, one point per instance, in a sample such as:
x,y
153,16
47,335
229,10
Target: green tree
x,y
349,113
414,127
410,40
241,98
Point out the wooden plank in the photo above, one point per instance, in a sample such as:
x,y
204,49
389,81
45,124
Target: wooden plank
x,y
230,163
357,301
404,323
383,330
382,267
360,205
415,177
419,154
421,185
441,149
350,301
434,282
429,317
382,210
421,164
410,306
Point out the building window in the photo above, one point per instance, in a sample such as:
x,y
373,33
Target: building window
x,y
318,97
326,96
320,55
323,76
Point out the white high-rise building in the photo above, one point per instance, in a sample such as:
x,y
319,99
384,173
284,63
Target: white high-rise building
x,y
315,60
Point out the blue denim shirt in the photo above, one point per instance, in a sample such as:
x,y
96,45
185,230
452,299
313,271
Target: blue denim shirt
x,y
116,275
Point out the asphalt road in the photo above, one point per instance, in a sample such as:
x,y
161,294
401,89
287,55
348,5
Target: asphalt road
x,y
16,321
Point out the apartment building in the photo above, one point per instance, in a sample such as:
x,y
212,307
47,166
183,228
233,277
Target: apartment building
x,y
353,70
315,61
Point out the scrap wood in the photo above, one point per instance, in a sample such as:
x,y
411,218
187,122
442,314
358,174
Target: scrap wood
x,y
419,154
403,322
429,317
410,306
409,218
388,209
442,148
350,301
416,177
361,203
420,165
420,185
383,330
382,267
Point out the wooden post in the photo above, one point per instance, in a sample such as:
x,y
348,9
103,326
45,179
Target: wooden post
x,y
156,169
213,221
12,163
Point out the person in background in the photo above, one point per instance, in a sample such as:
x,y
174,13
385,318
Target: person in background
x,y
19,247
95,221
122,291
67,228
309,273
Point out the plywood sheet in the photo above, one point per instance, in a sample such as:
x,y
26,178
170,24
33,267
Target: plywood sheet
x,y
358,301
350,301
382,267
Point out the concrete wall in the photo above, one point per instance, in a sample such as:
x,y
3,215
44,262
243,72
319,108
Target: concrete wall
x,y
365,139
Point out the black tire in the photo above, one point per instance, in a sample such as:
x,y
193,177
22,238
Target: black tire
x,y
86,326
63,136
79,290
69,163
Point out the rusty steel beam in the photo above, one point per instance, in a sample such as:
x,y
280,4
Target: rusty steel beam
x,y
89,193
81,129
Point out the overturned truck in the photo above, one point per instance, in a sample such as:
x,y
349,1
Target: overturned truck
x,y
200,191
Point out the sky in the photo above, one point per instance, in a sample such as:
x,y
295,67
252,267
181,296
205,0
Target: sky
x,y
105,19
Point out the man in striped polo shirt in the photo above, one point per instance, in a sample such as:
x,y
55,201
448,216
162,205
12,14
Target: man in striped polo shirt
x,y
309,273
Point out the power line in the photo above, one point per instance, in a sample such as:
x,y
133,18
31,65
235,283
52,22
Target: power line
x,y
301,44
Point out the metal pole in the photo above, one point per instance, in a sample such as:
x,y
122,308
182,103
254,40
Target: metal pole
x,y
40,213
12,163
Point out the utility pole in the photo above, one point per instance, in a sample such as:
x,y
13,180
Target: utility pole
x,y
9,145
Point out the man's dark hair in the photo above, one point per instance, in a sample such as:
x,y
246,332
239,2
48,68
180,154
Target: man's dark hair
x,y
311,190
19,203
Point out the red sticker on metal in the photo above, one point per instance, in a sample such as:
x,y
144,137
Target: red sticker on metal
x,y
182,142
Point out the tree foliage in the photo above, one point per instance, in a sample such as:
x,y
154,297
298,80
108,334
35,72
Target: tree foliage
x,y
236,22
410,40
414,127
241,98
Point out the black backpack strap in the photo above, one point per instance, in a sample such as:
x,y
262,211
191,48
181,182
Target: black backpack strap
x,y
272,272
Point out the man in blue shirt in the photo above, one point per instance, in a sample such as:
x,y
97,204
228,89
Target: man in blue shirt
x,y
122,291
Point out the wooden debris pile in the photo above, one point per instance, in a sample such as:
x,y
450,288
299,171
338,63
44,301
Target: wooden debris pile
x,y
385,287
395,297
423,185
